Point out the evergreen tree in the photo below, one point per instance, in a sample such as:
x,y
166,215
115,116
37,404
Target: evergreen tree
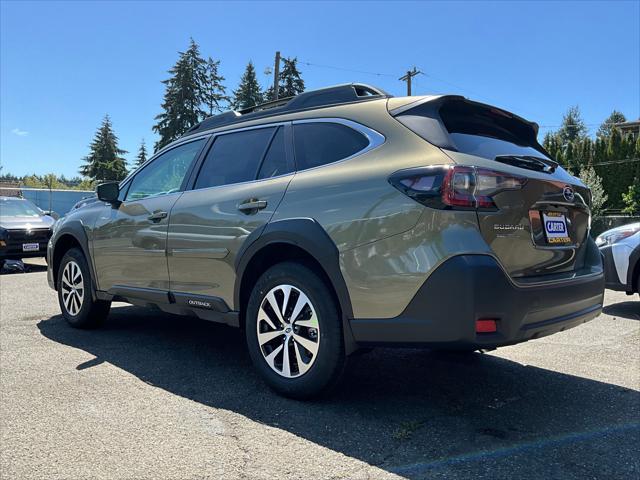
x,y
290,82
631,198
183,97
594,182
248,93
142,154
604,131
105,161
214,92
572,128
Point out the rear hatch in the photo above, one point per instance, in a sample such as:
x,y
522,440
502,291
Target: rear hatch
x,y
540,224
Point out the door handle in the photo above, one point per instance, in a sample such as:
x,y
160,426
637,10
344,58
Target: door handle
x,y
157,216
253,205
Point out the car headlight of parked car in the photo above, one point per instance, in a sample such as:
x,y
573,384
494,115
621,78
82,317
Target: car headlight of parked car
x,y
613,236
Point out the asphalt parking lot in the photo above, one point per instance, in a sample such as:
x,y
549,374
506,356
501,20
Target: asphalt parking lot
x,y
151,395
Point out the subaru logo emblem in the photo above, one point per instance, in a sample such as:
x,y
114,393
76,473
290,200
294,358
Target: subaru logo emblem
x,y
567,192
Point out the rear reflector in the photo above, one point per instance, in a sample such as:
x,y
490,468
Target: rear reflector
x,y
486,325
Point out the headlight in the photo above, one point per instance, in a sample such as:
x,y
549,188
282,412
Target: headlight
x,y
614,236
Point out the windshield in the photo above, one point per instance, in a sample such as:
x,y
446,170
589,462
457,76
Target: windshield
x,y
18,208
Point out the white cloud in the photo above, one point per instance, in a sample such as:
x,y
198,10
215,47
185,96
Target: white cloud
x,y
20,133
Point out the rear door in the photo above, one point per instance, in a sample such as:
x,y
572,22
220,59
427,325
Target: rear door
x,y
238,186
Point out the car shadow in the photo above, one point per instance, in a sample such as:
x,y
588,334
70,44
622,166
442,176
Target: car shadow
x,y
630,310
411,412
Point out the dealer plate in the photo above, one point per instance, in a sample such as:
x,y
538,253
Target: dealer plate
x,y
555,228
30,247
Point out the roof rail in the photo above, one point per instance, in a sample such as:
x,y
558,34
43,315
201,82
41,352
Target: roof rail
x,y
324,97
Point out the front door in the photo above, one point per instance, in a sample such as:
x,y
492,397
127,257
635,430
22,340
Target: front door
x,y
240,184
130,239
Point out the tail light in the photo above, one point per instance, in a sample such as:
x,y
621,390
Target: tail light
x,y
458,187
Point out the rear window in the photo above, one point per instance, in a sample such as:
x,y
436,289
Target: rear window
x,y
474,129
321,143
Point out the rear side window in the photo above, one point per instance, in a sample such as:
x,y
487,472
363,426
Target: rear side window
x,y
275,163
321,143
234,158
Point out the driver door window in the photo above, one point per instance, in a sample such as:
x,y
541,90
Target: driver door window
x,y
165,174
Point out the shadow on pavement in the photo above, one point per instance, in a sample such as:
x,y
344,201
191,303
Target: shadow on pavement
x,y
630,310
412,412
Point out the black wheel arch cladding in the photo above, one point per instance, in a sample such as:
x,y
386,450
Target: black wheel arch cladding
x,y
308,235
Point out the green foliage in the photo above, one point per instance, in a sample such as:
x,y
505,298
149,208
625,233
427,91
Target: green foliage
x,y
142,154
631,198
607,127
105,161
183,98
213,92
573,127
290,82
594,182
248,93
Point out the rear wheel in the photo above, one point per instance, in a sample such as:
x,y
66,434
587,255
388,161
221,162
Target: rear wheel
x,y
294,331
78,307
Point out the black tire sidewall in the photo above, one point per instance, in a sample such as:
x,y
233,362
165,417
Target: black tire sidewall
x,y
84,319
329,363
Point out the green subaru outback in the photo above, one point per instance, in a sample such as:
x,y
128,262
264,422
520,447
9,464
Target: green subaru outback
x,y
338,219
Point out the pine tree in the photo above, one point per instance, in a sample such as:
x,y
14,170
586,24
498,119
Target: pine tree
x,y
290,80
572,128
248,93
214,92
183,97
594,182
604,131
142,154
105,161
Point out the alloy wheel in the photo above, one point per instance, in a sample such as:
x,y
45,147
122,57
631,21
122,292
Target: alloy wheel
x,y
72,288
288,331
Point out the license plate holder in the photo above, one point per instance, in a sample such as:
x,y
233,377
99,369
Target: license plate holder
x,y
555,228
30,247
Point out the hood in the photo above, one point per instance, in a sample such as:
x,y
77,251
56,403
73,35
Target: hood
x,y
20,223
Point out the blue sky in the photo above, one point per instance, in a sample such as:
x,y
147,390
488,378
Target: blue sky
x,y
65,64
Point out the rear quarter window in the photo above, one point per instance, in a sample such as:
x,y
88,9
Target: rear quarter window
x,y
322,143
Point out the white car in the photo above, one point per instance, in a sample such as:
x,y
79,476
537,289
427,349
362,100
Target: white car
x,y
620,248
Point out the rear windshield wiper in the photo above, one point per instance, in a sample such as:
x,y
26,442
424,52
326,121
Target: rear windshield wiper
x,y
529,162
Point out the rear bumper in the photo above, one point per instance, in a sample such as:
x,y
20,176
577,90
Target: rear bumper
x,y
469,287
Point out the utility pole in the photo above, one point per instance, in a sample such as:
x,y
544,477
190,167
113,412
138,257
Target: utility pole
x,y
276,74
407,78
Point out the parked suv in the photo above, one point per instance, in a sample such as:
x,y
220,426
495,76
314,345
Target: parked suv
x,y
342,218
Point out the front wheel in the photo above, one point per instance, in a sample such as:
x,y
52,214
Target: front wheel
x,y
294,331
78,307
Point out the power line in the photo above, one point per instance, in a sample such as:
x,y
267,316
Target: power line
x,y
378,74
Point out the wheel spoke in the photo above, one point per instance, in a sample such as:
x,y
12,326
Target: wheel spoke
x,y
286,362
300,304
263,317
274,305
306,343
66,300
272,356
268,336
302,367
311,323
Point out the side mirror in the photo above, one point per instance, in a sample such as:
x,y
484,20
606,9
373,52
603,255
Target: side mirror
x,y
108,192
52,214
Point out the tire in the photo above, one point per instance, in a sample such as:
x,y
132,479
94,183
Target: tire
x,y
75,287
309,374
